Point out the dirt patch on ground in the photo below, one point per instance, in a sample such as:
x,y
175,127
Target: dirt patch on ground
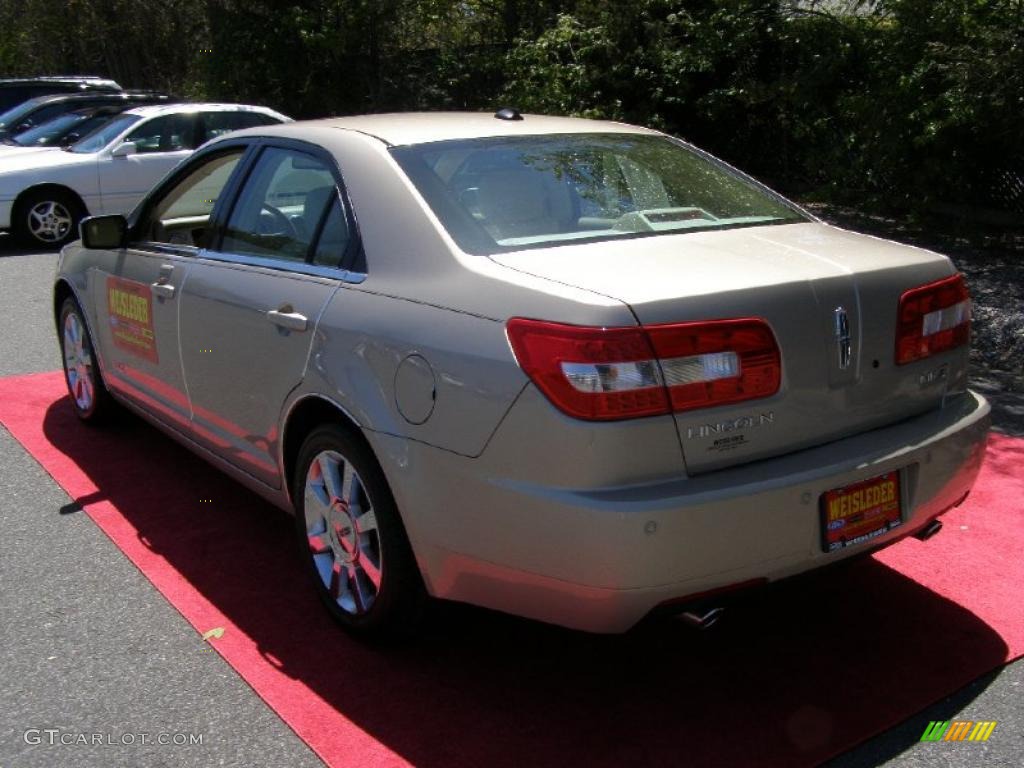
x,y
993,261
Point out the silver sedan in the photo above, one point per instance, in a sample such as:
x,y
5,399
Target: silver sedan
x,y
573,370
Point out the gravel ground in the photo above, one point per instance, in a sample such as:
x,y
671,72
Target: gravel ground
x,y
993,261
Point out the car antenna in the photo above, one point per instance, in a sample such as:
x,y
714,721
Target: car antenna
x,y
508,113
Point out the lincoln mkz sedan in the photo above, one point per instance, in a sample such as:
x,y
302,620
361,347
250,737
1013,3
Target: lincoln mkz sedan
x,y
573,370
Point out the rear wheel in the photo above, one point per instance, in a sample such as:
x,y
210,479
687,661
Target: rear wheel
x,y
351,537
48,218
89,396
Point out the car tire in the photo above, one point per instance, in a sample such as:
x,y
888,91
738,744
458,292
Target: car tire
x,y
47,219
89,396
351,538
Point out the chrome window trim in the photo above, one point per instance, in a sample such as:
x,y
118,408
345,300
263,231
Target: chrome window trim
x,y
284,265
168,249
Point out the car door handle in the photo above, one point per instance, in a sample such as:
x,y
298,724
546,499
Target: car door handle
x,y
164,290
286,318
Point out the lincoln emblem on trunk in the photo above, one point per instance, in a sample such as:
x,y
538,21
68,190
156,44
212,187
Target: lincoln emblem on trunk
x,y
843,342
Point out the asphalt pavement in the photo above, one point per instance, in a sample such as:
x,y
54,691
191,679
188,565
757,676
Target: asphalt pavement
x,y
89,646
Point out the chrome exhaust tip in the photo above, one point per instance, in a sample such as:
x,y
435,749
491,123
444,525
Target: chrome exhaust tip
x,y
703,619
928,531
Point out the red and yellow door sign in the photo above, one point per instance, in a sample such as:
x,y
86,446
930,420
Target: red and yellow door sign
x,y
130,309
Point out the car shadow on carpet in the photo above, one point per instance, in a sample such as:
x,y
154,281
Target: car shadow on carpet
x,y
791,676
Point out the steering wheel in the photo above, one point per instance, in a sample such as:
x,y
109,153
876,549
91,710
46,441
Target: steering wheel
x,y
274,222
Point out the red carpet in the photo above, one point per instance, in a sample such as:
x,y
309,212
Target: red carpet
x,y
789,678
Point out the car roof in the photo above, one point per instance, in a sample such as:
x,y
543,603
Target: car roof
x,y
402,128
87,80
152,110
91,97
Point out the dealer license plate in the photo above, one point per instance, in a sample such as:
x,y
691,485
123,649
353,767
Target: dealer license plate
x,y
860,512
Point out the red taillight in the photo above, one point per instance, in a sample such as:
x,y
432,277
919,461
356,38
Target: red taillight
x,y
933,318
590,373
717,362
622,373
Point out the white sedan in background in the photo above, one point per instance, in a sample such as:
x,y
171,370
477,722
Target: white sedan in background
x,y
43,195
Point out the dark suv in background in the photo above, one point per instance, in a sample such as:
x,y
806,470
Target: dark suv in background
x,y
64,130
13,91
35,112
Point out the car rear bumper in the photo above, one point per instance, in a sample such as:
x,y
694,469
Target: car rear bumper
x,y
600,559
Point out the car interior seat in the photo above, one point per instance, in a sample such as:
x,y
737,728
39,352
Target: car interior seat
x,y
312,209
522,203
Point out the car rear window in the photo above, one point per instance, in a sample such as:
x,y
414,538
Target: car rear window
x,y
502,194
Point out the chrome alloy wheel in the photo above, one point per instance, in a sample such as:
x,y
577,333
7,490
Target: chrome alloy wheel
x,y
49,221
341,527
78,362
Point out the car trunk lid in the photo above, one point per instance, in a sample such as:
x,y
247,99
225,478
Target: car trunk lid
x,y
830,297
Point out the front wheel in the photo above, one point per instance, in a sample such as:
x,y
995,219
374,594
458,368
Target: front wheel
x,y
89,396
351,537
47,219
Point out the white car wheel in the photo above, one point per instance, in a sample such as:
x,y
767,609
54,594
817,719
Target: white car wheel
x,y
48,219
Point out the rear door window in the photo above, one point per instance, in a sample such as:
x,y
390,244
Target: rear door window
x,y
214,124
335,236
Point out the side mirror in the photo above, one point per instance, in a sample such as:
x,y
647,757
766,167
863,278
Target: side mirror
x,y
70,139
104,232
124,149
